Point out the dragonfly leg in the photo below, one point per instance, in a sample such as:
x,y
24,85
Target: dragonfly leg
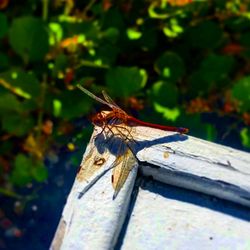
x,y
128,140
103,129
128,137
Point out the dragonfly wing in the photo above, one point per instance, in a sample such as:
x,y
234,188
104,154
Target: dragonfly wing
x,y
124,164
95,97
110,100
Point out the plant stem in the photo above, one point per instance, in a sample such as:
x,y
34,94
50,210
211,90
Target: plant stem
x,y
45,10
41,104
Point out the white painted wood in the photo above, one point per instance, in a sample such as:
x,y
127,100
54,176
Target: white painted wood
x,y
192,163
94,221
165,217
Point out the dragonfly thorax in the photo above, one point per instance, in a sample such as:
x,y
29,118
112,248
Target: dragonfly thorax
x,y
98,119
108,118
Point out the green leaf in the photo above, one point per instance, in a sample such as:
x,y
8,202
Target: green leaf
x,y
29,105
124,81
113,18
206,34
21,174
133,34
173,29
16,124
164,93
39,172
210,132
29,38
107,53
169,114
197,84
241,91
169,65
4,61
215,67
57,107
196,126
155,12
61,63
245,137
3,25
85,30
73,104
111,34
27,83
9,103
237,24
245,39
55,34
169,32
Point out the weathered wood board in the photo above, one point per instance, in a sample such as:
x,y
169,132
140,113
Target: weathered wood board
x,y
93,220
167,217
196,164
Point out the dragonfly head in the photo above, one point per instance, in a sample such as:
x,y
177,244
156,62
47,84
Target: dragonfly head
x,y
98,119
183,130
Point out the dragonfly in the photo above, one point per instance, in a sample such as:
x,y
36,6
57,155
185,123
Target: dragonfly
x,y
117,125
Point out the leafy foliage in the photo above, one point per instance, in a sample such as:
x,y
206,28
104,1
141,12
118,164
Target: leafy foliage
x,y
205,35
25,170
169,65
125,81
184,61
4,25
28,37
241,91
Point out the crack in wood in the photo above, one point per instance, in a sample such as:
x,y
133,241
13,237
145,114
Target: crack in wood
x,y
227,165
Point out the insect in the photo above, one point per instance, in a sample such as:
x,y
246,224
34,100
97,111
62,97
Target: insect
x,y
117,125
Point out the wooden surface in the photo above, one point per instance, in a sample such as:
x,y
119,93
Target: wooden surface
x,y
196,164
93,220
166,217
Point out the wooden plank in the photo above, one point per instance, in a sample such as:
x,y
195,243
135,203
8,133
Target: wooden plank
x,y
192,163
166,217
92,219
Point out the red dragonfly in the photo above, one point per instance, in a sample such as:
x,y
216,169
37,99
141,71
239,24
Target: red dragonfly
x,y
120,116
117,124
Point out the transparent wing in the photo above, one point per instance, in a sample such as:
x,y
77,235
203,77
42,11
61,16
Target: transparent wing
x,y
91,169
95,97
110,100
124,164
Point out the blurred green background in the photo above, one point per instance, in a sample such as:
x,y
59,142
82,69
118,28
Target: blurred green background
x,y
175,62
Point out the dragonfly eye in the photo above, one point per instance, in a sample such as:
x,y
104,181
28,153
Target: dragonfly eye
x,y
183,130
98,120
